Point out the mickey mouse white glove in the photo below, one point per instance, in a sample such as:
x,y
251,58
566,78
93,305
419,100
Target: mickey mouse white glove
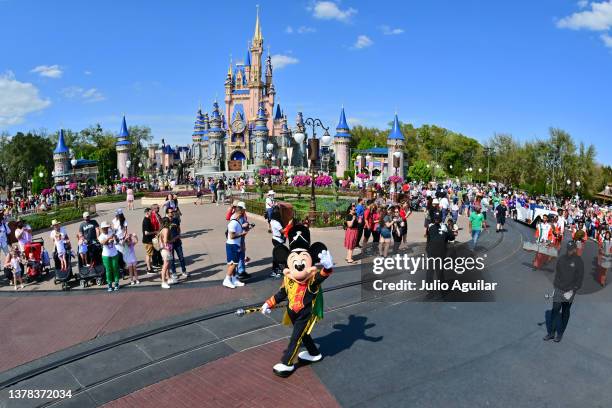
x,y
265,309
326,260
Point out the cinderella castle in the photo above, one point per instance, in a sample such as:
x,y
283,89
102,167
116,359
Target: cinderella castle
x,y
251,130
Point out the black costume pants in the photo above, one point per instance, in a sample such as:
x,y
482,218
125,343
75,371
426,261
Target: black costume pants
x,y
435,268
564,308
301,325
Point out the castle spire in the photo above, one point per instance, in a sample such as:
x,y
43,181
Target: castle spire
x,y
61,144
257,37
342,130
396,131
247,59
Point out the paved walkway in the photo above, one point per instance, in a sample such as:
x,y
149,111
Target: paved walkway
x,y
203,242
242,379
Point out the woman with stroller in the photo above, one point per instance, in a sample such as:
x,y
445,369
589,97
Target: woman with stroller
x,y
12,261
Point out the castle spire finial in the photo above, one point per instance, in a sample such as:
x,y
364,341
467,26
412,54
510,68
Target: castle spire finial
x,y
257,37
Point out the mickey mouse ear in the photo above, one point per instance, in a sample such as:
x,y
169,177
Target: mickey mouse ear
x,y
315,250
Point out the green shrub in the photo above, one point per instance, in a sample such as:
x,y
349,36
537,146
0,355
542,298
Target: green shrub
x,y
43,220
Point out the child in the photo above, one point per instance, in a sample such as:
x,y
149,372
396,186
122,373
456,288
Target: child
x,y
12,261
130,257
83,250
60,248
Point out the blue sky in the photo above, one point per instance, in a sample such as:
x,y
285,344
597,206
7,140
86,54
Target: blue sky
x,y
476,67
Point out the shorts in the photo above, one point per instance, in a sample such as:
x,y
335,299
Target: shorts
x,y
17,272
166,255
83,249
232,251
148,249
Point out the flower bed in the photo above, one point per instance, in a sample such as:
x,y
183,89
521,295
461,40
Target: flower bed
x,y
182,193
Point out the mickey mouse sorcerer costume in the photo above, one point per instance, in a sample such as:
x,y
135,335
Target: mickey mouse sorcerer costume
x,y
302,289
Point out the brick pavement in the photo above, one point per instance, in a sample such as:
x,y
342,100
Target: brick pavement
x,y
243,379
35,326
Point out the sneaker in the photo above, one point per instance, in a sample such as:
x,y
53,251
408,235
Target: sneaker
x,y
558,338
164,285
227,282
548,337
132,283
244,276
236,281
109,289
21,286
185,274
116,287
137,282
173,281
173,277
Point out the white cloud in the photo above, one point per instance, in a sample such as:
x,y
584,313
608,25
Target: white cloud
x,y
87,72
85,95
363,41
598,18
306,30
280,61
583,3
49,71
328,10
607,39
17,99
386,30
354,121
300,30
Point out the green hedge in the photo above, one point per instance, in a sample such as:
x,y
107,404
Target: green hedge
x,y
110,198
43,220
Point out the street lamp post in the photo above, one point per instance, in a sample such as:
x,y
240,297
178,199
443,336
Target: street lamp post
x,y
313,156
128,163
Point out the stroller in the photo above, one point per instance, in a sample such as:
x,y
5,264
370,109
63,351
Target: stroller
x,y
63,277
36,262
95,270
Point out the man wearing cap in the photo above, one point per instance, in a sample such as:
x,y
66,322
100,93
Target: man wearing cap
x,y
568,280
233,247
242,275
270,203
89,229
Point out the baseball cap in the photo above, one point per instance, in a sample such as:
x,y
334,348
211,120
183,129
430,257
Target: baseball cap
x,y
435,201
571,245
118,211
241,204
86,214
104,224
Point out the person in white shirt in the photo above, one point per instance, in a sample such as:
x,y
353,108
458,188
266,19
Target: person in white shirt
x,y
444,204
270,203
59,237
110,256
277,239
119,225
235,232
23,233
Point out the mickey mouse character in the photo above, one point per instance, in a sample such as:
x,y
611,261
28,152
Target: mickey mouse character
x,y
302,288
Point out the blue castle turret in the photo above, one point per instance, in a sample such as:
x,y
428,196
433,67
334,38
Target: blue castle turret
x,y
61,158
261,136
395,145
342,140
123,150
